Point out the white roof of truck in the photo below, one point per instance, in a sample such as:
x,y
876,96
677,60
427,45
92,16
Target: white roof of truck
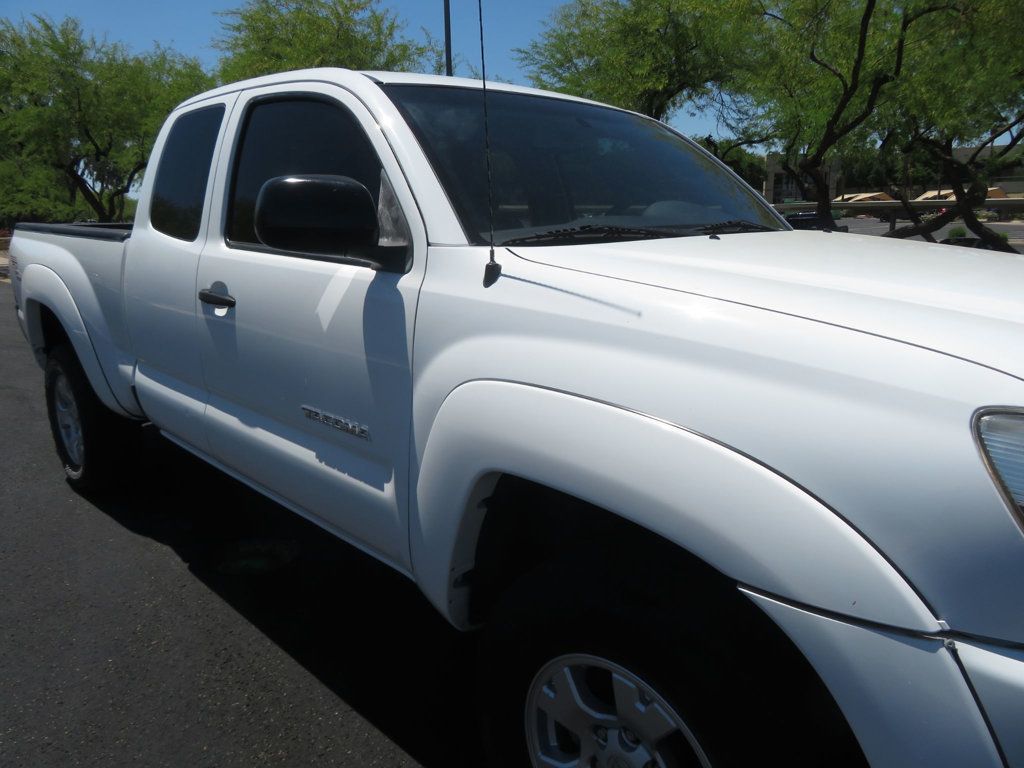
x,y
357,81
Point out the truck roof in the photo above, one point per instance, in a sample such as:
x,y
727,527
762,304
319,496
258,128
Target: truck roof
x,y
359,80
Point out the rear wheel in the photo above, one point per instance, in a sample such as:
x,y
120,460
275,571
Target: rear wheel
x,y
90,439
587,664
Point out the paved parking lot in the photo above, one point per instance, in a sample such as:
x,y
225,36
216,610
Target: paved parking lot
x,y
186,621
872,226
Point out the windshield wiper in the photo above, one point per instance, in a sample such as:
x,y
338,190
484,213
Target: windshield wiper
x,y
735,225
592,232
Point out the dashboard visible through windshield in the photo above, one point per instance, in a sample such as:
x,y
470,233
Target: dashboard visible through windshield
x,y
569,172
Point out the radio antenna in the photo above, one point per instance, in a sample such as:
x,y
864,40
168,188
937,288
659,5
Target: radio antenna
x,y
448,37
493,269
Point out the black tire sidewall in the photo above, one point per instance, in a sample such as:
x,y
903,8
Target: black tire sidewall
x,y
695,651
95,420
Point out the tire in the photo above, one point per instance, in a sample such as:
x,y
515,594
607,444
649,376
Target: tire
x,y
90,439
668,675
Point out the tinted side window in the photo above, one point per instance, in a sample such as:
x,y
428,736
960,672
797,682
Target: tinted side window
x,y
180,186
295,136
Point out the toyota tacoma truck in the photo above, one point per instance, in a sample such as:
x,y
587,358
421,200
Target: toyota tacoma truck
x,y
713,491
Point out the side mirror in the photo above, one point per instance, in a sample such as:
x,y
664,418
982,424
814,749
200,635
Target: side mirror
x,y
318,214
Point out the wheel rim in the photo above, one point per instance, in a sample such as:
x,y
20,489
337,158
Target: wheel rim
x,y
69,423
583,711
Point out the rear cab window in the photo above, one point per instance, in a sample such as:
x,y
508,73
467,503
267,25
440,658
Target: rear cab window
x,y
179,190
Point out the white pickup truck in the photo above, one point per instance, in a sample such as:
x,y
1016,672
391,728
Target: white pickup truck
x,y
715,491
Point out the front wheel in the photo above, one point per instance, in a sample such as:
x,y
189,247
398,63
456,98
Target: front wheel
x,y
590,664
89,438
587,710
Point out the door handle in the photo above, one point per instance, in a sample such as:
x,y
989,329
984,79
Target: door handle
x,y
216,299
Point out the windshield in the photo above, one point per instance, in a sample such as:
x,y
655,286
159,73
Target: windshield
x,y
569,172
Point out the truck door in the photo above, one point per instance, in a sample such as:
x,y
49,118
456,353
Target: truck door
x,y
308,373
170,230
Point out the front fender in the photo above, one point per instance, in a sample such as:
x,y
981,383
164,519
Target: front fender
x,y
739,516
41,286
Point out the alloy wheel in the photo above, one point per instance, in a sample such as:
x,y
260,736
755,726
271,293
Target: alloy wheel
x,y
584,711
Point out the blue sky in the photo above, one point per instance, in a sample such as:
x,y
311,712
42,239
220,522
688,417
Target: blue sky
x,y
190,26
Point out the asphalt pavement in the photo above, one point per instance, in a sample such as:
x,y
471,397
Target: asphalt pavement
x,y
870,225
184,620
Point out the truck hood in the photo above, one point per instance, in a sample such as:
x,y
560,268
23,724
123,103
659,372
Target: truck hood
x,y
964,302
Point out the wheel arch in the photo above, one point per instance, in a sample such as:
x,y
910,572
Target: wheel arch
x,y
732,514
53,317
526,525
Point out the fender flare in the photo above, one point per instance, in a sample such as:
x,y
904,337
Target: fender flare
x,y
739,516
42,287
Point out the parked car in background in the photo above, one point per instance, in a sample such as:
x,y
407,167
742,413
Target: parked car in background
x,y
811,220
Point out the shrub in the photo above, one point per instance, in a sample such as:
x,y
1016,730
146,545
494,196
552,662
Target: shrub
x,y
957,232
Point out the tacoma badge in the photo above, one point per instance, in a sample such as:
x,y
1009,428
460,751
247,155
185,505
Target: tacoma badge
x,y
345,425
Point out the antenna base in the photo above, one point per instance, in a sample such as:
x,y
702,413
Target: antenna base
x,y
491,273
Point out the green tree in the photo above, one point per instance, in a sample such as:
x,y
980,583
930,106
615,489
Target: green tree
x,y
266,36
819,69
874,160
750,166
962,109
78,118
650,56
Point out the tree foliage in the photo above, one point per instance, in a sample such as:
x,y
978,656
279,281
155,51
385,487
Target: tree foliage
x,y
748,165
800,76
819,70
265,36
78,118
896,90
646,55
961,108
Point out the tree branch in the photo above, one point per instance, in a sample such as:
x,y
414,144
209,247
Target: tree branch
x,y
136,169
994,134
965,202
752,141
99,153
834,130
772,15
925,227
87,192
915,217
825,65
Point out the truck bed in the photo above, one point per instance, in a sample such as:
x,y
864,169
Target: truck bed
x,y
118,232
75,270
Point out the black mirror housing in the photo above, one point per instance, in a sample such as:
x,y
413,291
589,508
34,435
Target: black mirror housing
x,y
316,214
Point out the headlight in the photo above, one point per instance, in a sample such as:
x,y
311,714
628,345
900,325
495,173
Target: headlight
x,y
1002,440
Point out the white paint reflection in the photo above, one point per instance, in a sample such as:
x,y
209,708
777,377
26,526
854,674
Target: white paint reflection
x,y
334,293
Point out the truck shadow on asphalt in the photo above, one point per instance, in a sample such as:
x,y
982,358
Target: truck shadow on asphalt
x,y
362,629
